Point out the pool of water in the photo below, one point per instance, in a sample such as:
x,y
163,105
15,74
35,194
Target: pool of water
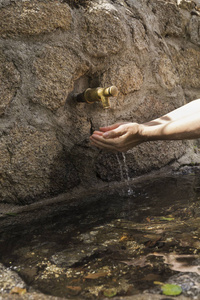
x,y
112,244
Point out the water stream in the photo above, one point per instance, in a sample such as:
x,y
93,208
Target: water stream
x,y
130,191
121,162
124,173
120,167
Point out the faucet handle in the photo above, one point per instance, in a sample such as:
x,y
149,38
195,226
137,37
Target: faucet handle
x,y
105,93
111,91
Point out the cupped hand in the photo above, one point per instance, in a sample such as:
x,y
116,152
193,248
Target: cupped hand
x,y
117,137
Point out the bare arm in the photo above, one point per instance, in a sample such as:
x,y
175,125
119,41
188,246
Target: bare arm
x,y
182,123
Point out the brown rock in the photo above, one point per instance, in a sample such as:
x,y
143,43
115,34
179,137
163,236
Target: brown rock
x,y
56,69
9,82
171,21
140,38
187,63
193,29
33,163
154,156
167,74
125,75
103,33
186,4
34,18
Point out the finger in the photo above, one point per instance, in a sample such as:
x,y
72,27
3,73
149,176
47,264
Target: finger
x,y
109,148
101,145
95,138
111,127
98,132
99,138
115,133
112,144
106,142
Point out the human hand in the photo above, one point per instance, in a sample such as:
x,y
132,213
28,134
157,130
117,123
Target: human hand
x,y
117,137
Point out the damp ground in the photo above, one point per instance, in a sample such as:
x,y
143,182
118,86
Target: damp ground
x,y
112,244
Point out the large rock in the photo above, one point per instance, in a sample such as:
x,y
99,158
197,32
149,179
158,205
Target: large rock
x,y
33,164
117,167
166,73
34,18
187,63
193,29
103,32
9,82
55,71
171,21
125,75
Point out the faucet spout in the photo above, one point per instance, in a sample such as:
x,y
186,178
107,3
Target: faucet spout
x,y
98,94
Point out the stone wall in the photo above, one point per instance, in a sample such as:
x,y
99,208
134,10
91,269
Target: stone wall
x,y
49,50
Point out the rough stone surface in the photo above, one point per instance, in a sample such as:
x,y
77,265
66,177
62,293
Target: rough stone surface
x,y
128,70
34,18
9,280
107,39
193,29
187,62
9,82
52,50
55,70
111,167
37,155
166,73
169,17
13,287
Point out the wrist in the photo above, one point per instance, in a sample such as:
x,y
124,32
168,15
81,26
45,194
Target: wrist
x,y
143,133
150,132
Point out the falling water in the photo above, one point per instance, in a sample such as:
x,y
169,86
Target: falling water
x,y
120,167
125,167
123,164
105,117
130,191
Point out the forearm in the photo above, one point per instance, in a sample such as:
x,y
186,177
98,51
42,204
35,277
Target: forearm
x,y
175,128
179,113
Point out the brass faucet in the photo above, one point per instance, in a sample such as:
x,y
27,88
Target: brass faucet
x,y
98,94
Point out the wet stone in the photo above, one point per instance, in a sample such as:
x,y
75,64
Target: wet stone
x,y
190,283
9,279
71,256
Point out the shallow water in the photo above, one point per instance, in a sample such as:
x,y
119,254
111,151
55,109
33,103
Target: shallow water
x,y
115,244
